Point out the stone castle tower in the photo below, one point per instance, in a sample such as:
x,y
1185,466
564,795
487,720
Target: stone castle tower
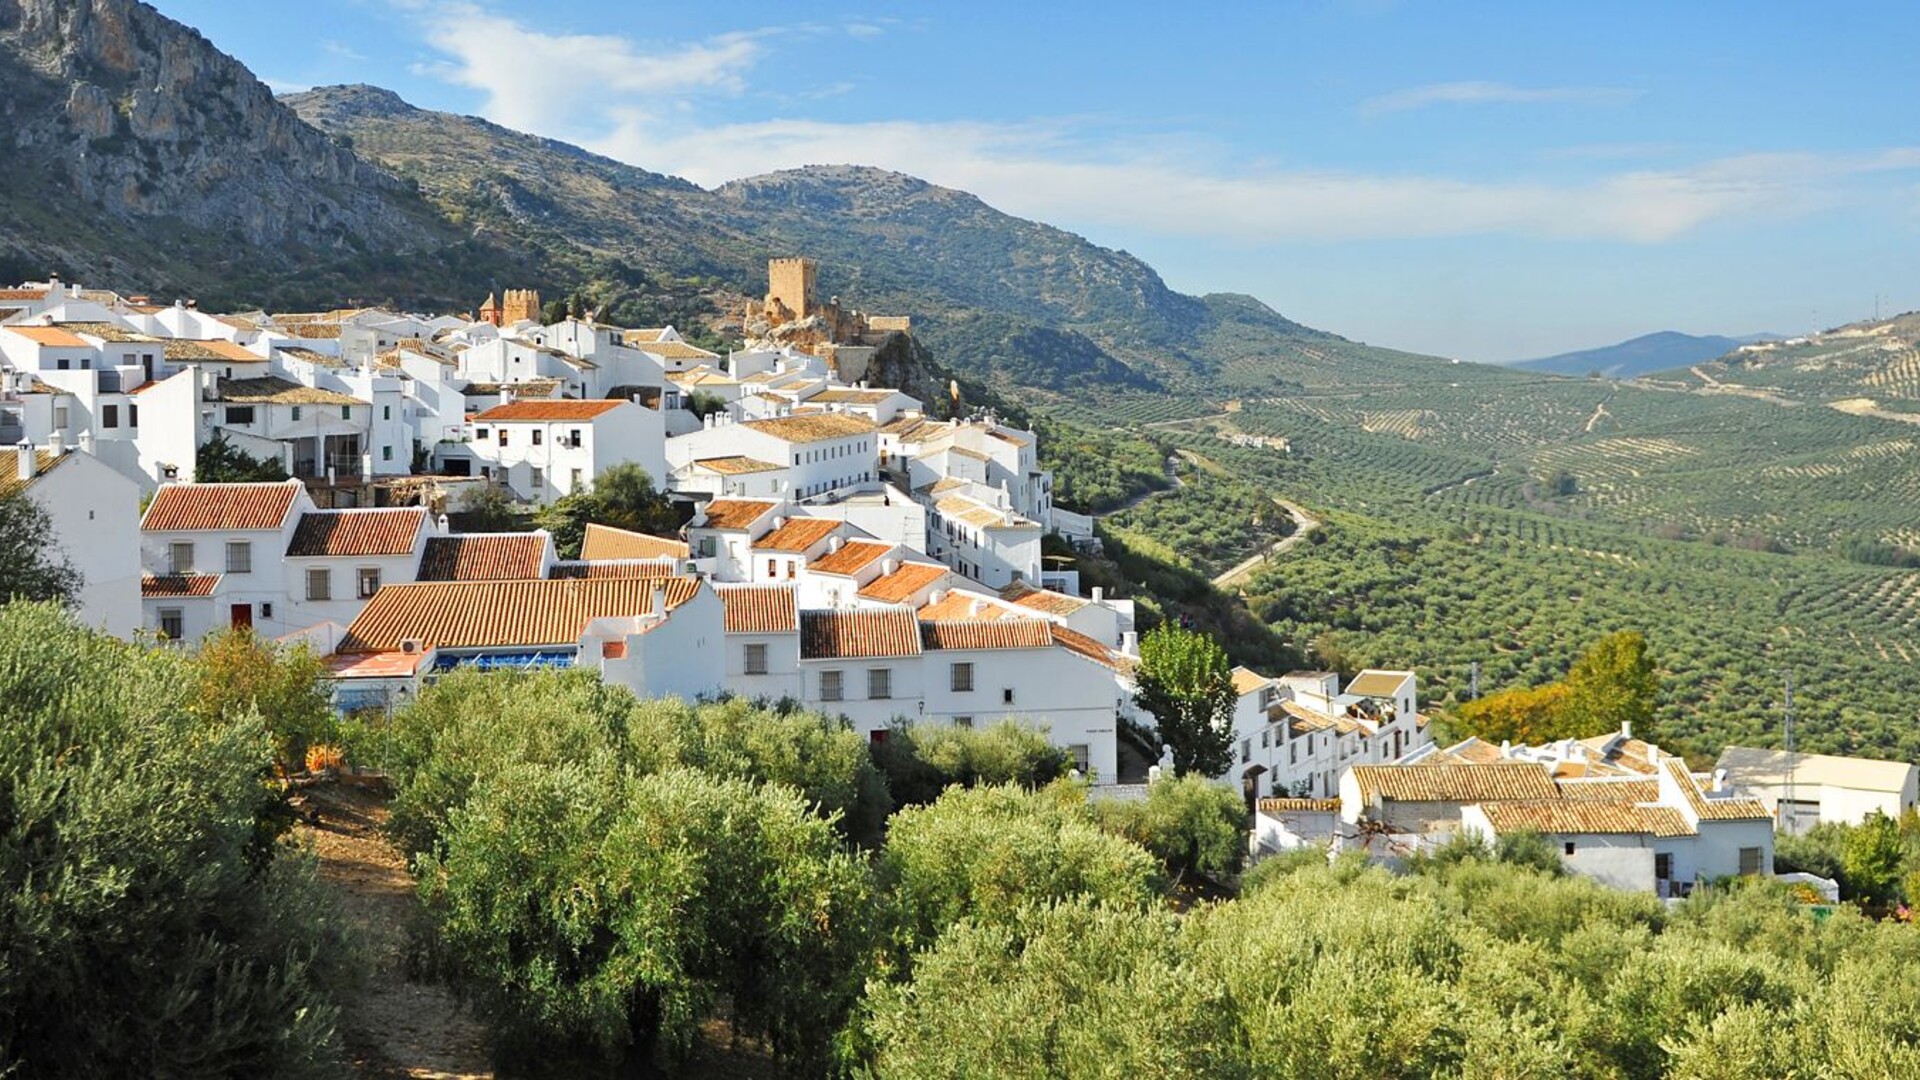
x,y
520,304
790,289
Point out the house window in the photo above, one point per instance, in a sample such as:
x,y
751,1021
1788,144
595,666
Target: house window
x,y
386,453
1006,696
172,624
1750,860
1293,754
133,415
180,556
109,416
962,677
240,414
1663,866
574,485
1246,751
1082,755
754,659
386,412
830,686
320,584
60,417
369,581
1265,739
503,436
538,478
346,412
239,557
573,438
879,683
963,722
773,570
536,436
64,364
1569,847
296,413
480,433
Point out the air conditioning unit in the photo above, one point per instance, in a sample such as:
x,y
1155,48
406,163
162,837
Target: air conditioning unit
x,y
412,646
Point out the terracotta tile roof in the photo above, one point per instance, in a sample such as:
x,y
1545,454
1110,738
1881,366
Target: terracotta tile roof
x,y
1454,783
44,461
1297,806
23,294
379,665
904,583
51,336
220,506
1009,437
494,614
171,585
547,411
759,609
1631,754
998,634
310,356
107,331
1246,682
736,515
980,515
673,350
853,556
736,465
616,568
605,542
484,557
1047,600
1076,642
1469,751
850,396
965,605
315,331
1377,683
1714,809
1561,817
274,390
811,429
181,349
1636,790
912,426
337,533
799,534
848,635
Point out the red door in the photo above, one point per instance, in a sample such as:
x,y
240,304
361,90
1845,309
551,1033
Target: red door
x,y
242,616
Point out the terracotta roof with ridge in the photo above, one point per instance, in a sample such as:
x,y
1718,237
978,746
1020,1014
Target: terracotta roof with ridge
x,y
736,515
817,427
1561,816
998,634
902,584
1501,781
799,534
178,507
556,410
1741,808
853,556
163,586
44,462
337,533
759,609
833,635
495,614
605,542
484,557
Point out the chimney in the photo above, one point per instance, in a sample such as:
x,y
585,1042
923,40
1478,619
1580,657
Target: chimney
x,y
443,524
29,465
660,598
1626,729
1099,594
976,607
86,440
1130,643
888,567
1719,781
834,545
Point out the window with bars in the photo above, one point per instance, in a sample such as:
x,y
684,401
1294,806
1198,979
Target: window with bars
x,y
239,557
172,623
962,677
754,660
830,688
180,557
879,683
320,584
369,581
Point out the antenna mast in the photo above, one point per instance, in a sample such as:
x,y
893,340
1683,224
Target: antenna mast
x,y
1788,804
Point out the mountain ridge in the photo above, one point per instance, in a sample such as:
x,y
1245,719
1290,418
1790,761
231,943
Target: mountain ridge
x,y
1661,350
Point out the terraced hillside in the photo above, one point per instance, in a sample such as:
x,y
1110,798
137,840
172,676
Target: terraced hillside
x,y
1486,516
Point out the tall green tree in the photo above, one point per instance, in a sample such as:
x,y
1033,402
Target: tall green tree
x,y
1871,859
31,567
623,496
1186,682
1613,683
141,931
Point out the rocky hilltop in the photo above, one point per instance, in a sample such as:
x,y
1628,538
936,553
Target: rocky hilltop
x,y
123,123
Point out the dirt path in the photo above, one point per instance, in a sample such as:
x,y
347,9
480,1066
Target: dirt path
x,y
1304,524
1599,413
393,1027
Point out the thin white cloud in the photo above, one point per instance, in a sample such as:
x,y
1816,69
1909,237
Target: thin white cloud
x,y
1493,93
342,50
643,105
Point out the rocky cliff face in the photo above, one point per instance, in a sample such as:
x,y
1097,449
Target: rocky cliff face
x,y
111,110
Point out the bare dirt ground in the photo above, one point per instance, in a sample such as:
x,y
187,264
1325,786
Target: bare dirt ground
x,y
392,1026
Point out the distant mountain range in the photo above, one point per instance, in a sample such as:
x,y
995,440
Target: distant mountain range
x,y
1648,353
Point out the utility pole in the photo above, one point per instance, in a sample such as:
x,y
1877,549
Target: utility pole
x,y
1473,682
1787,803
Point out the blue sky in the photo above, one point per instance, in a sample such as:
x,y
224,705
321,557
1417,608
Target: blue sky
x,y
1488,181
